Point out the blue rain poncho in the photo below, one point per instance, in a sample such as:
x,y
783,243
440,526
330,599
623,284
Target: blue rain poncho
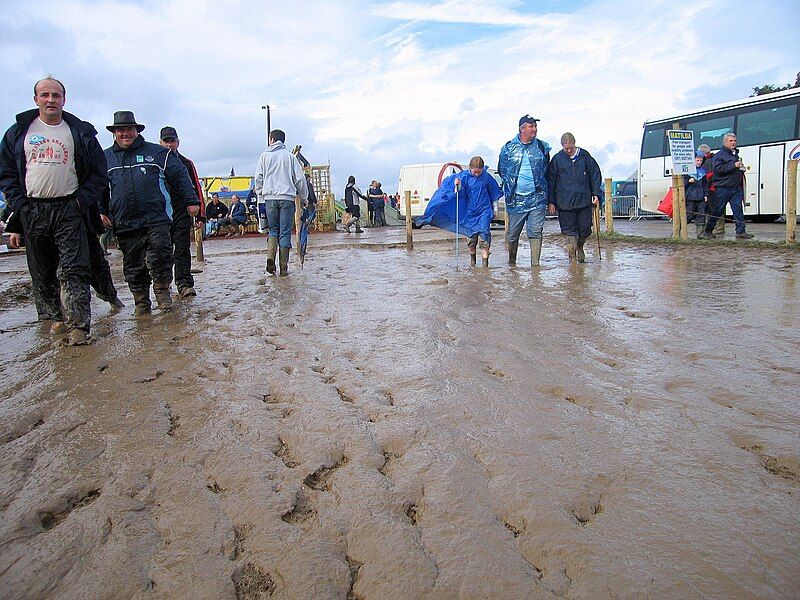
x,y
475,210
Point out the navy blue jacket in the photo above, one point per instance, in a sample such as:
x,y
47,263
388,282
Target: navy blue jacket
x,y
697,191
571,185
239,212
148,182
726,173
90,167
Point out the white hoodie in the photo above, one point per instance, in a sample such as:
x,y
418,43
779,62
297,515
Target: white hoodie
x,y
279,175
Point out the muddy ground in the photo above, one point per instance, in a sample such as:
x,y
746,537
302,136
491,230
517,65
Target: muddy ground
x,y
380,426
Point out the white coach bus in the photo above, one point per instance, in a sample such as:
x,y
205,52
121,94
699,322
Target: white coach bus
x,y
767,132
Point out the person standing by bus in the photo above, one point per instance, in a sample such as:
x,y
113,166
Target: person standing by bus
x,y
523,168
696,189
729,181
708,167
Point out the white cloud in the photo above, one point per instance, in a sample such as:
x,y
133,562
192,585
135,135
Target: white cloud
x,y
377,85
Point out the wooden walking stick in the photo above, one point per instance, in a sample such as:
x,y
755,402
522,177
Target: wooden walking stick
x,y
597,229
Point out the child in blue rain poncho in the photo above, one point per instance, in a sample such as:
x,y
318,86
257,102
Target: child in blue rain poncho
x,y
478,196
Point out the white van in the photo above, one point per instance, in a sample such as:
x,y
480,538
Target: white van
x,y
423,180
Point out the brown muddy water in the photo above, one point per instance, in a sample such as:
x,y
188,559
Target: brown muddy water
x,y
380,426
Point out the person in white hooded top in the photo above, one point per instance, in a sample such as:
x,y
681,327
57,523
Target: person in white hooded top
x,y
279,179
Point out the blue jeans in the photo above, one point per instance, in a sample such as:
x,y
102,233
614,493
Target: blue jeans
x,y
533,220
280,214
725,196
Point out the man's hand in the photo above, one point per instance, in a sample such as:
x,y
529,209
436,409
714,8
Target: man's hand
x,y
595,200
15,240
551,209
198,224
457,182
193,210
106,221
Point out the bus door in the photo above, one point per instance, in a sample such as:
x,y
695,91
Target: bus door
x,y
770,179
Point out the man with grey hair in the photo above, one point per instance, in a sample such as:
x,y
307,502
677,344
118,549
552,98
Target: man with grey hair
x,y
729,181
53,172
575,186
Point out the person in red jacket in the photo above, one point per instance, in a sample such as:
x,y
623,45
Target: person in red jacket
x,y
182,223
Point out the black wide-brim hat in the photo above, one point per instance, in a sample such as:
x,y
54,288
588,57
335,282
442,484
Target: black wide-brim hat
x,y
125,118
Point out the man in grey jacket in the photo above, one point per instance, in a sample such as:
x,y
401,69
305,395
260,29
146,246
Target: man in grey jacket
x,y
279,179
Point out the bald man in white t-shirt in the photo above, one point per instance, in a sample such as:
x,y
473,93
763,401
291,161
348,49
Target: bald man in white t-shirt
x,y
53,172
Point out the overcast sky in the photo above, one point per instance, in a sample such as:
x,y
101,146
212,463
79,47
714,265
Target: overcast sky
x,y
369,86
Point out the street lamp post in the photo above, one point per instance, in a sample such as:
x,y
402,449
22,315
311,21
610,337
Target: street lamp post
x,y
266,107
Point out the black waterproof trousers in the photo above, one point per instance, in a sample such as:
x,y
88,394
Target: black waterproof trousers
x,y
577,222
101,279
57,251
146,256
181,229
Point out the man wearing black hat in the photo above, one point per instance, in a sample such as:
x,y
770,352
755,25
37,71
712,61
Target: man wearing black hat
x,y
148,184
523,168
182,221
53,172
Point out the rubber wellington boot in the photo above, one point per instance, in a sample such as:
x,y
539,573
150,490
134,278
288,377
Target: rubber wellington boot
x,y
272,249
572,247
472,259
141,303
163,297
358,227
536,251
485,262
284,261
512,252
579,253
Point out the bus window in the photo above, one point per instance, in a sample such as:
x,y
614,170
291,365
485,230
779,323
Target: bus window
x,y
710,131
654,143
767,125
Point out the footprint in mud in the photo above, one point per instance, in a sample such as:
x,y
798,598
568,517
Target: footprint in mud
x,y
174,420
235,548
355,567
151,378
590,504
586,510
319,480
343,396
441,281
215,488
515,530
388,459
412,511
288,370
251,583
492,371
559,393
786,467
301,512
284,454
221,316
318,368
52,519
633,313
388,395
785,369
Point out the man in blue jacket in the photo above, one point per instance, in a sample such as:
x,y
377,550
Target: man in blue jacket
x,y
575,185
523,168
52,172
148,183
729,181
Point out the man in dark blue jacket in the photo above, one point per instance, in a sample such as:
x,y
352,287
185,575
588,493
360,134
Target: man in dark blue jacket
x,y
575,184
729,181
148,183
53,172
